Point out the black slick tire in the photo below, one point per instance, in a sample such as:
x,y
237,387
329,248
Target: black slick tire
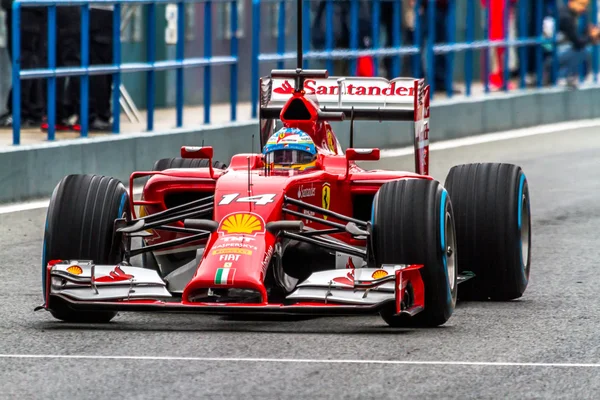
x,y
168,163
493,226
80,225
413,223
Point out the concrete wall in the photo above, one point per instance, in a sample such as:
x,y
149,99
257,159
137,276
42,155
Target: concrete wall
x,y
28,172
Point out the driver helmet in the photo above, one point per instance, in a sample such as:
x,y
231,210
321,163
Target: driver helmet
x,y
290,149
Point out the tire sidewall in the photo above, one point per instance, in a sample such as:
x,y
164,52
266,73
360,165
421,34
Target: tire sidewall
x,y
523,226
445,294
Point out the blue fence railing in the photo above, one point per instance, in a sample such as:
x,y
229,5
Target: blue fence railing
x,y
426,48
426,43
150,67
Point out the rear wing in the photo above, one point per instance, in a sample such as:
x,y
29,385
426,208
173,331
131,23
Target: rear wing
x,y
357,98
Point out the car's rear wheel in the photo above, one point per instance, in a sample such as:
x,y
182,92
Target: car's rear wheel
x,y
493,226
80,226
168,163
413,223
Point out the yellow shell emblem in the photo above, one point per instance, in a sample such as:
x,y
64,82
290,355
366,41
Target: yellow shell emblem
x,y
75,270
380,273
242,223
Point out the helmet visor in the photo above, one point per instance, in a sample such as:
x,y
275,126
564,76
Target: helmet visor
x,y
290,157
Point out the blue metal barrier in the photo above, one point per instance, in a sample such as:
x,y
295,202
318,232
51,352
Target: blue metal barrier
x,y
415,50
52,72
425,28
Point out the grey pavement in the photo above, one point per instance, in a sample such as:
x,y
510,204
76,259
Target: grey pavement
x,y
557,320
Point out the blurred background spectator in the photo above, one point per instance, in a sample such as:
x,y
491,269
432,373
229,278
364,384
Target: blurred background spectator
x,y
33,55
574,47
68,54
101,42
341,31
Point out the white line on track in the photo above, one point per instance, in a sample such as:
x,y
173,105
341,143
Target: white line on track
x,y
302,361
405,151
496,137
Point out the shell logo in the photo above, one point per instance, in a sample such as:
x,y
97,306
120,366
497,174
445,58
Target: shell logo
x,y
330,141
380,273
242,223
75,270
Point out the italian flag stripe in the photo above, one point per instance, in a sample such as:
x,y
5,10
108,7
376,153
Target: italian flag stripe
x,y
224,276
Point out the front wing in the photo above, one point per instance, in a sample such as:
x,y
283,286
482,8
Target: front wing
x,y
84,286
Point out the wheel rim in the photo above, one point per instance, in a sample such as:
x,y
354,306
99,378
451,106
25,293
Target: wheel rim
x,y
450,251
525,232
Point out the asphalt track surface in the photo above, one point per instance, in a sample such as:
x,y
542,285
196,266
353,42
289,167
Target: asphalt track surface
x,y
548,340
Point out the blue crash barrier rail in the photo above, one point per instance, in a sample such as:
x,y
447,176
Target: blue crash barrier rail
x,y
52,72
277,37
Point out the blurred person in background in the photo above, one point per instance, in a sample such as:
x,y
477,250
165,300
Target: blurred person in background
x,y
68,54
101,42
573,47
407,34
527,54
33,55
342,33
439,64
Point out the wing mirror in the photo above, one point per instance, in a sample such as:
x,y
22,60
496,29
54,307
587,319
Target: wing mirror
x,y
202,152
362,154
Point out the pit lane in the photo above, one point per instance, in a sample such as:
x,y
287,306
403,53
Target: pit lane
x,y
548,338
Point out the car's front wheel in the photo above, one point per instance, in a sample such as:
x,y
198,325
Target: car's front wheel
x,y
413,223
80,226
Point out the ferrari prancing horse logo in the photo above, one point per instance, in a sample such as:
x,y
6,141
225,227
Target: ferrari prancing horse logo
x,y
326,197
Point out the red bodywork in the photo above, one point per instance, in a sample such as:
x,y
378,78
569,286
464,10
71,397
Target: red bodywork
x,y
247,197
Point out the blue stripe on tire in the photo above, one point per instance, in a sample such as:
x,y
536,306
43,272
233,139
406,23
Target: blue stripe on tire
x,y
519,222
44,261
521,185
122,205
443,241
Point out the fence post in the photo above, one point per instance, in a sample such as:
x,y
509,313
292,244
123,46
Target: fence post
x,y
430,73
329,35
486,52
85,62
16,71
505,69
151,55
179,56
306,31
538,49
417,58
451,35
554,47
522,49
117,63
281,25
51,65
375,26
396,38
354,21
234,53
595,46
470,37
255,52
207,55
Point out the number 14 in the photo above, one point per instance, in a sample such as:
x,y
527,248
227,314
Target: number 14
x,y
260,200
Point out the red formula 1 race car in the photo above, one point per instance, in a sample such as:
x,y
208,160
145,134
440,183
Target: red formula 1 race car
x,y
298,229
